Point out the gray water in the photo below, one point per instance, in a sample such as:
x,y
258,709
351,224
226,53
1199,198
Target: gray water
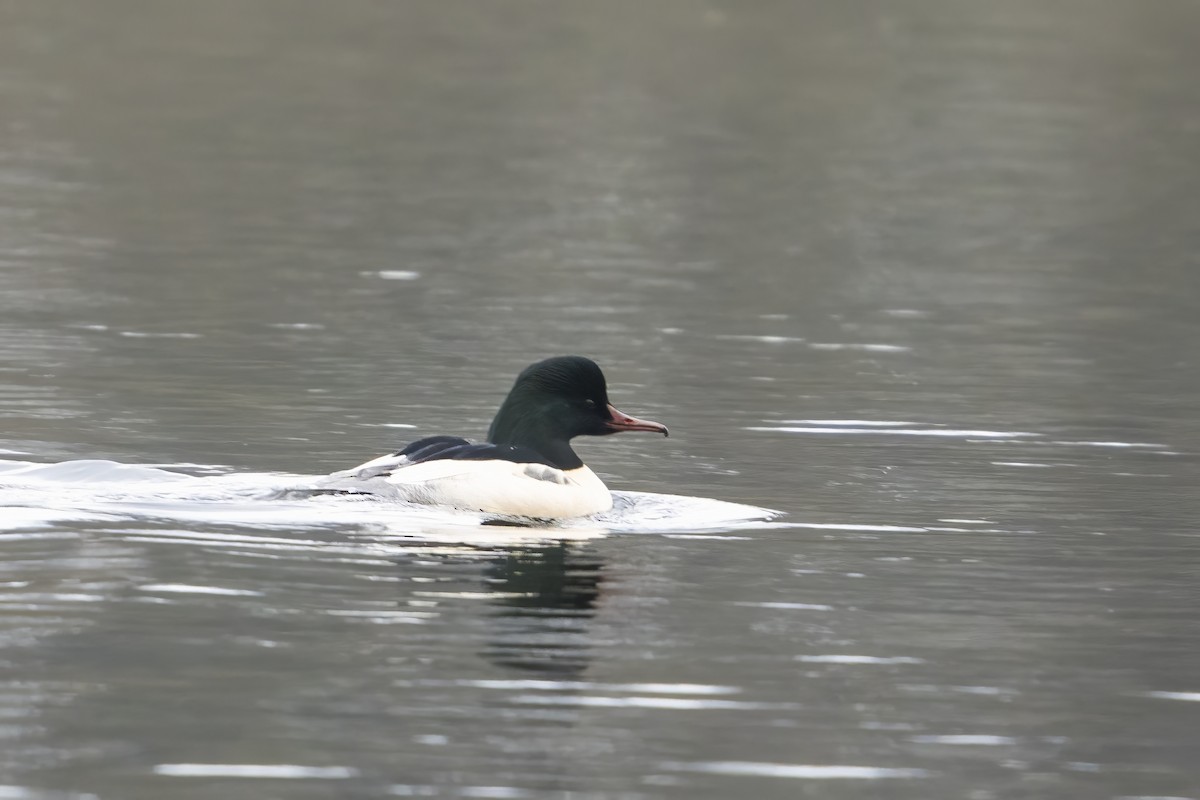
x,y
921,275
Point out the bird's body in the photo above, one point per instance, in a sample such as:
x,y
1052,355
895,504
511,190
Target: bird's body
x,y
527,467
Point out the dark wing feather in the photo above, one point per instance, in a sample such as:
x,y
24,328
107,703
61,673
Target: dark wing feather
x,y
431,447
435,448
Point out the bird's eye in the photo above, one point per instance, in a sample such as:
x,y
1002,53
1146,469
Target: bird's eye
x,y
590,403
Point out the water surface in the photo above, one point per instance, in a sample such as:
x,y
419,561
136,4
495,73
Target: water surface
x,y
920,275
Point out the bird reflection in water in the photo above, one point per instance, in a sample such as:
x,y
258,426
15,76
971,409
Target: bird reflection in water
x,y
546,597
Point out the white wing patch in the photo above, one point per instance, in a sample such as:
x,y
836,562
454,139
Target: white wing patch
x,y
373,468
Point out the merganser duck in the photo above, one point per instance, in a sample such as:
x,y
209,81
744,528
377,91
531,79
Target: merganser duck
x,y
527,467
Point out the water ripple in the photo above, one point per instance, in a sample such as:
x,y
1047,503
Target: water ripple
x,y
800,771
285,771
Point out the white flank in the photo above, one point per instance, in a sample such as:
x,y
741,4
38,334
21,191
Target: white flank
x,y
505,487
495,487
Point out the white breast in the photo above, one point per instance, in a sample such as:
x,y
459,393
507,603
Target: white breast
x,y
498,487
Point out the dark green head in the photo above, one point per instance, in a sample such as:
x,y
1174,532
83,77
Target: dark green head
x,y
555,400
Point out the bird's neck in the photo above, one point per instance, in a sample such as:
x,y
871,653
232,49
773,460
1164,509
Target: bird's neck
x,y
521,430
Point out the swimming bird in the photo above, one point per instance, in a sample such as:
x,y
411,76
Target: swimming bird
x,y
526,467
